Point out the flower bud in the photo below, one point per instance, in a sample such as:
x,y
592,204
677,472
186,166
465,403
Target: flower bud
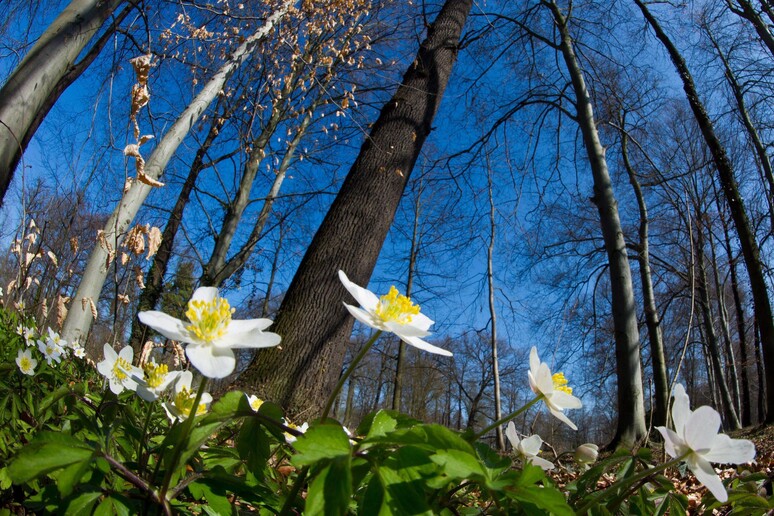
x,y
586,454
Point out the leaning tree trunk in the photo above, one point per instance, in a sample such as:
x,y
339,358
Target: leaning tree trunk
x,y
314,325
79,318
652,319
43,75
631,403
747,240
500,436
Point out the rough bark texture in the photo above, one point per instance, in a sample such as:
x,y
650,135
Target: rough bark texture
x,y
312,321
652,319
37,82
79,317
631,404
747,239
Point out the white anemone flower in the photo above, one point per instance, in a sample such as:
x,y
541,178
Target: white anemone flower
x,y
25,362
392,312
181,404
118,369
51,351
79,351
695,438
556,393
155,380
57,339
290,438
210,332
527,448
254,401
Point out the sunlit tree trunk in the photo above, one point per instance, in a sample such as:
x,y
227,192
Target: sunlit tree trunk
x,y
493,313
744,230
43,75
631,403
79,318
652,319
312,321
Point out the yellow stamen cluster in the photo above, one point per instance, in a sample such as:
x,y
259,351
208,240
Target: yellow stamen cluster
x,y
26,363
256,403
560,383
184,403
396,307
209,319
119,369
155,374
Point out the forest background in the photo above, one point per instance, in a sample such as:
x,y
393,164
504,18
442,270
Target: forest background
x,y
496,235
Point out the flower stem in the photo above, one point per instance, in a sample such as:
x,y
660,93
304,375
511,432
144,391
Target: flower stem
x,y
184,434
348,373
505,419
627,482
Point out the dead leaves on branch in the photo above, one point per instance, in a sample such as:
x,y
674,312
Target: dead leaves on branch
x,y
140,99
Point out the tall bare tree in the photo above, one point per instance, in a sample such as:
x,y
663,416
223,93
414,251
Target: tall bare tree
x,y
312,322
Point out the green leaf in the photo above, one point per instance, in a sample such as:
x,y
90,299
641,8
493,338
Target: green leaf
x,y
321,441
49,452
83,503
383,422
69,477
216,498
459,465
114,505
253,445
399,484
331,489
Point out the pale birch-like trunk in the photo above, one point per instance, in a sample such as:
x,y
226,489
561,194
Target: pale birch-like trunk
x,y
36,79
652,319
631,404
493,313
79,318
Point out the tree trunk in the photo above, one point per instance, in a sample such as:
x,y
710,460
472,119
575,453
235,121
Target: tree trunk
x,y
747,240
79,318
652,319
746,10
493,313
746,404
43,75
314,325
631,403
710,336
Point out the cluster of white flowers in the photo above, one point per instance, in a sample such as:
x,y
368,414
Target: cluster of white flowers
x,y
51,346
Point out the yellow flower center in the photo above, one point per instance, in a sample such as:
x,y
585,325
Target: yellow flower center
x,y
209,319
119,367
560,383
26,363
395,307
184,403
155,374
256,403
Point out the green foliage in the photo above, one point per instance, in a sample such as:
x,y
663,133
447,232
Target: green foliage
x,y
71,446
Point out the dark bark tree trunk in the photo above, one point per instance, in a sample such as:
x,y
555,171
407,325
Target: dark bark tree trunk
x,y
631,403
747,239
44,74
314,325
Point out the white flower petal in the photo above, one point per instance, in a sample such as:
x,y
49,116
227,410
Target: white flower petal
x,y
706,475
701,428
558,414
565,401
363,316
211,361
166,325
248,334
671,440
408,330
425,346
126,353
531,445
681,408
730,451
367,299
421,322
540,462
205,294
510,434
